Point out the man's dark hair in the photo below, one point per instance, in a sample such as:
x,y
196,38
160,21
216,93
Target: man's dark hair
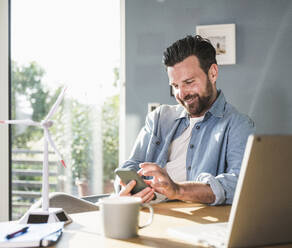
x,y
191,45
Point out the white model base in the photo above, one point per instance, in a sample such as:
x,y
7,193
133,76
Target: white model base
x,y
38,216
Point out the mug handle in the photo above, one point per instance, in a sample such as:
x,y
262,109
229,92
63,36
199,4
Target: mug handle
x,y
151,215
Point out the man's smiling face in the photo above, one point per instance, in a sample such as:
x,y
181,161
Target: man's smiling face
x,y
192,88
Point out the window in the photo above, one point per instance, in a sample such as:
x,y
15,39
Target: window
x,y
57,43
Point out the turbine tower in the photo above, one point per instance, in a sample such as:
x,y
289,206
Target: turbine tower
x,y
44,214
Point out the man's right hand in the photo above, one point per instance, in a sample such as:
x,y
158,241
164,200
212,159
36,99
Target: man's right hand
x,y
146,194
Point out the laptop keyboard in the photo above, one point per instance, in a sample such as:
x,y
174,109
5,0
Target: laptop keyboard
x,y
210,235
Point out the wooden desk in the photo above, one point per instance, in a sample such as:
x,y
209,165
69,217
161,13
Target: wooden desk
x,y
85,231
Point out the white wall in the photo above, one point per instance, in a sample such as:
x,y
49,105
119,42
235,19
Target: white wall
x,y
4,157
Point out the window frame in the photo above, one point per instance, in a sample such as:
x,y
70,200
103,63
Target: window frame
x,y
5,175
122,129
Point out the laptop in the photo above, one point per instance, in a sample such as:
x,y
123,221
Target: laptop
x,y
261,213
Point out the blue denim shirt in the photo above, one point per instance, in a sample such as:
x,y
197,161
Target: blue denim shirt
x,y
215,150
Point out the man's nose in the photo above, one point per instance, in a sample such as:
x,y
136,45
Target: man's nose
x,y
182,92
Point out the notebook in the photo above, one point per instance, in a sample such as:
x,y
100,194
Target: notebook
x,y
261,213
37,235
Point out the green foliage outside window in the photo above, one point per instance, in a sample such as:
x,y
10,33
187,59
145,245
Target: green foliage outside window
x,y
110,133
74,136
27,84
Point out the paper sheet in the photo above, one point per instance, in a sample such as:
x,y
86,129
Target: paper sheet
x,y
31,238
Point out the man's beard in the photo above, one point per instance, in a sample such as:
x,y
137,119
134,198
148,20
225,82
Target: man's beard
x,y
202,103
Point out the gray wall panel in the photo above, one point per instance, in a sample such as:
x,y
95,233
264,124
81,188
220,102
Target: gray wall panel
x,y
260,82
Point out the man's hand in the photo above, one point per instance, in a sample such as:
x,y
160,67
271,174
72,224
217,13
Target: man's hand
x,y
161,182
146,194
185,191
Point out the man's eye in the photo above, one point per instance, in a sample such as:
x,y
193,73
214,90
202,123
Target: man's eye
x,y
175,86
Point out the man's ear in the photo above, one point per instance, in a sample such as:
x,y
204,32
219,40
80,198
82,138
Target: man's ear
x,y
213,73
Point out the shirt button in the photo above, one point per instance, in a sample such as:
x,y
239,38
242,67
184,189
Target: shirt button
x,y
191,146
158,143
198,127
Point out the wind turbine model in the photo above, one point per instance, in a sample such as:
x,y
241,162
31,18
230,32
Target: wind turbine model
x,y
44,214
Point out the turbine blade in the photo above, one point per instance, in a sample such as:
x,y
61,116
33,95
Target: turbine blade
x,y
23,122
56,104
49,139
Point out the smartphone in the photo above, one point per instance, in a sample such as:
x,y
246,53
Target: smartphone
x,y
127,175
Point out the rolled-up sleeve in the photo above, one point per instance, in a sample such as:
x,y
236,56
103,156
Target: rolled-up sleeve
x,y
215,185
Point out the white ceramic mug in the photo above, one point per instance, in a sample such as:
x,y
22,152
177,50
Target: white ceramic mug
x,y
120,216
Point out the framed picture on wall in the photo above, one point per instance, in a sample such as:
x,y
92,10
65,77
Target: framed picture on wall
x,y
222,38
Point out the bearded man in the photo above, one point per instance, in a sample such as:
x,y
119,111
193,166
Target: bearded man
x,y
191,151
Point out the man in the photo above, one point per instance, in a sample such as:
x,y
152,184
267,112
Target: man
x,y
192,150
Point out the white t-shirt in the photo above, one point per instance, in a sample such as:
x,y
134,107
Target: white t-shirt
x,y
177,153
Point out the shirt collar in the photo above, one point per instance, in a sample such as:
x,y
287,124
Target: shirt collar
x,y
183,112
217,108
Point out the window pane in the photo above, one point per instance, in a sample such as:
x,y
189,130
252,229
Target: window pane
x,y
73,44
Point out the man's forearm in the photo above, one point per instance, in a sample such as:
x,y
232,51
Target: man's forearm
x,y
195,192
